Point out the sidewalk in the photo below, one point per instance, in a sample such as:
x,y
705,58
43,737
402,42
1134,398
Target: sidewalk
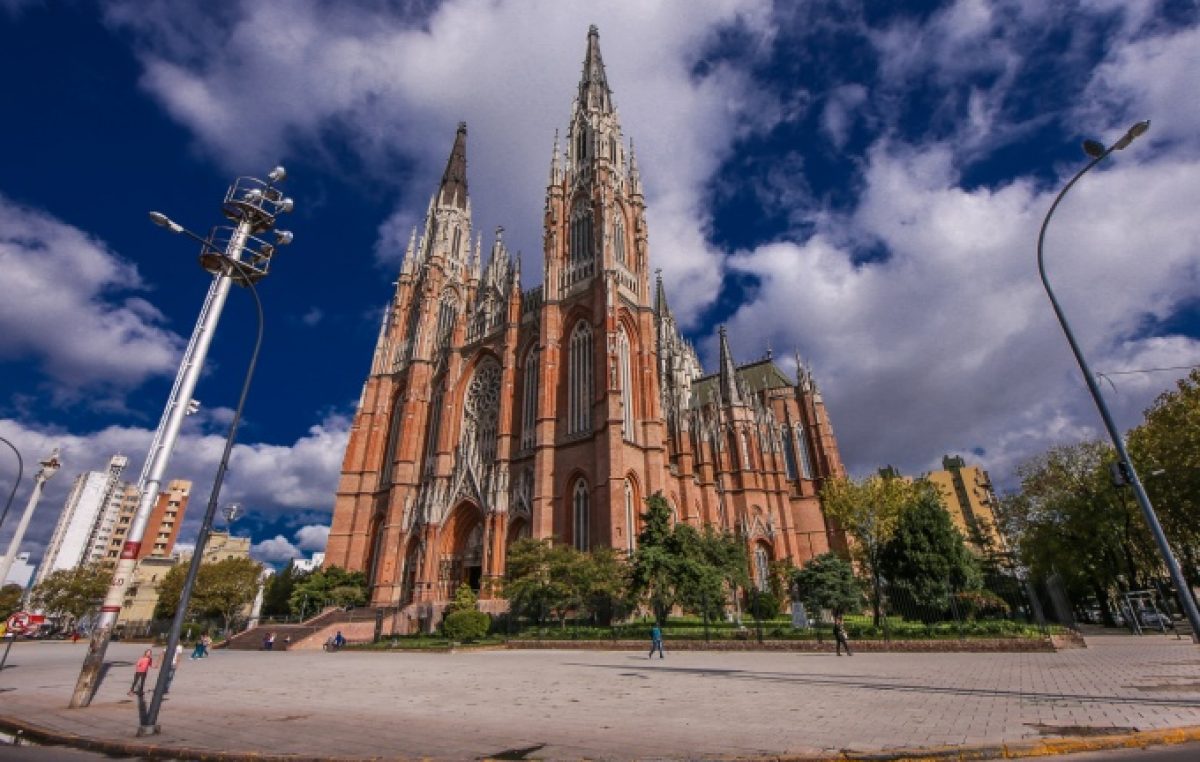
x,y
619,705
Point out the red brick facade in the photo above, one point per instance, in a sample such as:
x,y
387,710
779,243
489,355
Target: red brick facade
x,y
492,413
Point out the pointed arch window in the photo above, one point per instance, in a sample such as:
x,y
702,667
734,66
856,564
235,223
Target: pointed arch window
x,y
435,428
626,378
579,380
619,238
530,399
389,452
454,247
630,527
447,312
745,441
582,512
480,411
789,454
762,568
581,232
806,469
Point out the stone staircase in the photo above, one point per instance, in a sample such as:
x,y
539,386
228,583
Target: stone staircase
x,y
310,633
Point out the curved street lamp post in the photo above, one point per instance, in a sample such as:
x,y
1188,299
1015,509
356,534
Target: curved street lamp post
x,y
1098,153
16,482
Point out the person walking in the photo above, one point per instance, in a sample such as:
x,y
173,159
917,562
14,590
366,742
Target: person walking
x,y
139,672
656,642
839,633
174,665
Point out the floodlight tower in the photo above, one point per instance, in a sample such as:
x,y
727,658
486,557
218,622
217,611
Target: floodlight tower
x,y
253,206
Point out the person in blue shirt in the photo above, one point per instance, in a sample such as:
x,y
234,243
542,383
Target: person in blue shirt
x,y
656,642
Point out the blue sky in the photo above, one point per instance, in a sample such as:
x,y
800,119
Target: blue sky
x,y
861,182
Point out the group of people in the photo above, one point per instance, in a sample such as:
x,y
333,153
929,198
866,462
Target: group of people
x,y
268,642
839,635
334,642
201,649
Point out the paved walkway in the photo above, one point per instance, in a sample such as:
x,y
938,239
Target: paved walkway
x,y
616,705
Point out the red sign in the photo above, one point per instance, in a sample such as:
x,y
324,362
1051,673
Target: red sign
x,y
24,623
19,621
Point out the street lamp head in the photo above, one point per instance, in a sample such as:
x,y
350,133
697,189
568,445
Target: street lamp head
x,y
1093,148
286,206
277,175
163,221
1135,131
50,466
283,237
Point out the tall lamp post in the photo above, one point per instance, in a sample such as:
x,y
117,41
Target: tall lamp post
x,y
1098,153
49,467
16,482
252,205
244,274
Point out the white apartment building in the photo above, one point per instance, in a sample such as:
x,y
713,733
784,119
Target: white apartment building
x,y
82,513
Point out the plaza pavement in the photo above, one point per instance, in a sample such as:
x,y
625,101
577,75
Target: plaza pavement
x,y
618,704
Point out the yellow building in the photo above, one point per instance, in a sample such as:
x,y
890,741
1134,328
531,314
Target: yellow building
x,y
967,492
142,595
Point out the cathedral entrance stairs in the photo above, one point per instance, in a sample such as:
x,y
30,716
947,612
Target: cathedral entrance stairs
x,y
312,632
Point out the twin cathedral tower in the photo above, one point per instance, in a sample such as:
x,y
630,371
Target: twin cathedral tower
x,y
492,413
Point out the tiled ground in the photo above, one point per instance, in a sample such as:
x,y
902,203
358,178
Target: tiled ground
x,y
608,705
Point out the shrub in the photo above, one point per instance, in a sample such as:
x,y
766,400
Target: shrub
x,y
981,603
465,626
762,604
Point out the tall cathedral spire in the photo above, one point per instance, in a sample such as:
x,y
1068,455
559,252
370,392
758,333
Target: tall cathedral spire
x,y
453,191
593,85
729,384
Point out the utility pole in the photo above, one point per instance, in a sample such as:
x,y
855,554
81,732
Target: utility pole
x,y
49,467
252,204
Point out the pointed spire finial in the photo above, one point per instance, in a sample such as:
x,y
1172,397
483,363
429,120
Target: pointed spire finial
x,y
729,384
593,85
453,191
555,165
660,295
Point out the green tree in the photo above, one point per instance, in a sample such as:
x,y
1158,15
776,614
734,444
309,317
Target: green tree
x,y
869,511
1166,450
603,580
537,581
10,599
222,589
827,582
278,593
331,586
655,566
1069,520
681,566
926,559
71,593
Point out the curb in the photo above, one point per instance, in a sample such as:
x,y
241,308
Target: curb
x,y
1019,750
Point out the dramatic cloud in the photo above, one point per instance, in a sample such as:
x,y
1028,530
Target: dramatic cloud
x,y
394,87
67,302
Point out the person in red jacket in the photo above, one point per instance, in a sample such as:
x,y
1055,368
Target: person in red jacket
x,y
140,670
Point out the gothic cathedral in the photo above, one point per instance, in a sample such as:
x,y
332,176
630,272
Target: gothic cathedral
x,y
492,413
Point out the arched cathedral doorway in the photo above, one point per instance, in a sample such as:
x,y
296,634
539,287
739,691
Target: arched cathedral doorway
x,y
461,556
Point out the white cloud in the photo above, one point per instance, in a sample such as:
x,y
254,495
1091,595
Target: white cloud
x,y
312,537
65,302
394,87
275,550
270,480
312,317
